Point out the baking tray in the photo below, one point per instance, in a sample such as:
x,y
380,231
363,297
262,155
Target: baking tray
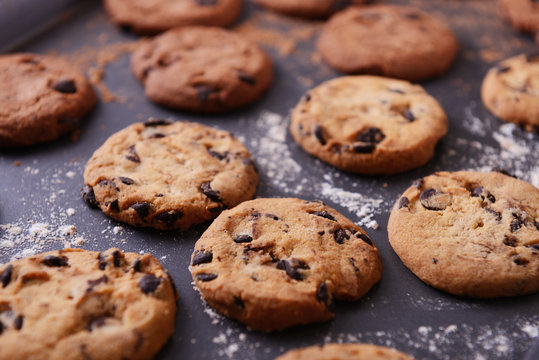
x,y
41,209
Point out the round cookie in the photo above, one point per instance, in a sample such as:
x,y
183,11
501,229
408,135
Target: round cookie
x,y
344,352
276,263
389,40
42,98
199,69
308,8
169,175
368,124
522,14
468,233
510,90
155,16
78,304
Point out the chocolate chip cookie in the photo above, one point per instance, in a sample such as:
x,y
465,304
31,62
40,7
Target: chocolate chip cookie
x,y
522,14
42,98
368,124
77,304
155,16
389,40
510,90
469,233
201,69
275,263
308,8
344,352
168,175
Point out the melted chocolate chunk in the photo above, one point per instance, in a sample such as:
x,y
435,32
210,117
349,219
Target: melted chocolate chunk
x,y
66,86
418,184
54,261
340,235
364,237
246,78
291,270
1,328
239,302
102,262
495,213
510,241
106,182
5,276
126,180
363,148
206,277
243,239
114,206
142,209
132,156
403,202
157,136
491,197
169,217
204,92
520,261
93,283
157,122
116,259
322,293
201,257
206,189
149,283
371,135
534,246
434,200
517,222
408,115
319,134
97,323
217,155
136,265
324,214
88,196
18,322
477,191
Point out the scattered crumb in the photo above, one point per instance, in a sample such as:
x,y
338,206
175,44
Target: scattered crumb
x,y
17,163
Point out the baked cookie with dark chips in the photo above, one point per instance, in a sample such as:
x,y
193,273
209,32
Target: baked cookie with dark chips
x,y
510,90
276,263
522,14
390,40
155,16
78,304
201,69
168,175
368,124
469,233
42,98
344,352
308,8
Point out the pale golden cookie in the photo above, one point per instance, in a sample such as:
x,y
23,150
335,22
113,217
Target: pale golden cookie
x,y
344,352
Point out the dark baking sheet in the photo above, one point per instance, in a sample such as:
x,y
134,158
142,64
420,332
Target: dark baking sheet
x,y
40,196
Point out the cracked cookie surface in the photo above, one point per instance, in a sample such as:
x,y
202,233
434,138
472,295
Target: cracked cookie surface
x,y
78,304
42,98
369,124
344,352
199,69
276,263
469,233
168,175
308,8
510,90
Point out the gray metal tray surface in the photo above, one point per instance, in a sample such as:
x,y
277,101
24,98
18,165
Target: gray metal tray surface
x,y
41,208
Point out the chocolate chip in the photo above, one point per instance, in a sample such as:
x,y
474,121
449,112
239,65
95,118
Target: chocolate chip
x,y
476,192
412,15
157,122
1,328
517,222
510,241
434,261
66,86
169,217
97,323
503,171
126,180
206,277
201,257
520,261
248,79
340,235
102,262
204,92
93,283
290,270
397,91
307,97
132,156
142,209
371,135
243,239
363,148
116,259
5,276
502,68
324,214
534,246
206,189
136,265
114,205
217,155
106,182
321,232
239,302
54,261
322,293
408,115
319,134
88,196
149,283
206,2
434,200
353,263
491,197
364,237
418,184
497,214
532,56
156,136
18,322
403,202
536,225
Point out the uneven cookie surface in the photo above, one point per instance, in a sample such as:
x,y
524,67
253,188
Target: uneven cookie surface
x,y
470,233
168,175
202,69
275,263
344,352
154,16
77,304
510,90
42,97
523,14
308,8
394,41
368,124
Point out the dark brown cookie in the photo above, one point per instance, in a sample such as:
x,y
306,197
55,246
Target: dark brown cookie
x,y
41,98
202,69
395,41
155,16
522,14
308,8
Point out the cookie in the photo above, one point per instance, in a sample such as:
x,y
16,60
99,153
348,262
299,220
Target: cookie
x,y
510,90
468,233
205,70
368,124
42,98
168,175
395,41
344,352
308,8
78,304
155,16
522,14
276,263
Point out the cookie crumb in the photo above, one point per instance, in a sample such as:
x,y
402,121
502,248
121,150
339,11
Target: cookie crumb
x,y
17,163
